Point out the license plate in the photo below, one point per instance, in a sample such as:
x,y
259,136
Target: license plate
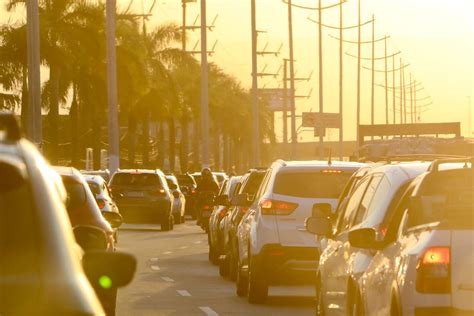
x,y
135,194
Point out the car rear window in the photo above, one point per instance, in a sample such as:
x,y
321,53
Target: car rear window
x,y
311,184
448,196
185,180
95,188
136,179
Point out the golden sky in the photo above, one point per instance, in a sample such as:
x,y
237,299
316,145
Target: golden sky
x,y
435,36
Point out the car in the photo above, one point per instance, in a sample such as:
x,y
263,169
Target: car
x,y
188,186
102,196
370,205
220,177
424,264
179,203
83,210
105,174
274,246
222,201
41,271
144,196
228,242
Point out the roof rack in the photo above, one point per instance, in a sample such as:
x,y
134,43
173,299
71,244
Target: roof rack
x,y
417,157
9,123
435,165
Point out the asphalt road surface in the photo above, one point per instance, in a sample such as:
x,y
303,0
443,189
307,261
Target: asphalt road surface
x,y
174,277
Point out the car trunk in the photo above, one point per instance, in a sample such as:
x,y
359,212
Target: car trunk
x,y
462,275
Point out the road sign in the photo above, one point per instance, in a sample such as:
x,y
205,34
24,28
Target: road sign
x,y
325,120
319,131
275,99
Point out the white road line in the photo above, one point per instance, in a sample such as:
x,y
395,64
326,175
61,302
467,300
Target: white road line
x,y
208,311
198,242
183,247
183,293
155,267
154,259
167,279
167,252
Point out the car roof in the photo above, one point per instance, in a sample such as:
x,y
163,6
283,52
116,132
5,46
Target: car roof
x,y
147,171
310,164
409,169
95,179
67,171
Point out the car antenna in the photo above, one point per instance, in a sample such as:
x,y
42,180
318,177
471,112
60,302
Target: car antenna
x,y
330,157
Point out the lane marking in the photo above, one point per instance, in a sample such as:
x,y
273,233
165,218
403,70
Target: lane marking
x,y
155,267
183,247
154,259
166,279
198,242
208,311
183,293
167,252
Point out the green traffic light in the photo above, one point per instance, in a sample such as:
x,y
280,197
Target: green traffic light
x,y
105,282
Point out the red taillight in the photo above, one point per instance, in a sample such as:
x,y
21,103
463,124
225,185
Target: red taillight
x,y
433,273
222,213
207,207
100,204
193,191
243,210
160,192
272,207
331,171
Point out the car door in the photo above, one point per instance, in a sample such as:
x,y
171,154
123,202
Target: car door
x,y
333,264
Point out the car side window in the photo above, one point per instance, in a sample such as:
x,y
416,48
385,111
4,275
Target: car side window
x,y
352,205
369,195
263,186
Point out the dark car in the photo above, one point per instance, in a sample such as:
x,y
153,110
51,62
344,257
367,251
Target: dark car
x,y
143,196
188,186
40,269
222,201
228,262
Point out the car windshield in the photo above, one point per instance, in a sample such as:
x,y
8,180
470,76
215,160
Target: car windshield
x,y
311,184
136,179
185,180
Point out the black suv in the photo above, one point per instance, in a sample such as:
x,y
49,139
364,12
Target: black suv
x,y
143,196
40,269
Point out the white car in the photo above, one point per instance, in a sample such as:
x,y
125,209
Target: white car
x,y
179,202
274,246
426,265
370,206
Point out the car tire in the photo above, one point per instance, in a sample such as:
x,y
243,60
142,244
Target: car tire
x,y
166,223
213,258
183,219
224,267
171,219
257,285
232,266
241,283
357,308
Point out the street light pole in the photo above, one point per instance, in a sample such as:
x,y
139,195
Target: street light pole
x,y
255,106
114,131
204,89
34,119
294,136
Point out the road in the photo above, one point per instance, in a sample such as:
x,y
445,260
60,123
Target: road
x,y
174,277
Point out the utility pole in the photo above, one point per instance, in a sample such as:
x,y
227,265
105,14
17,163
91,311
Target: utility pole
x,y
393,89
114,131
285,103
411,100
386,82
183,27
404,97
321,86
401,91
292,82
359,46
341,84
204,89
372,95
34,129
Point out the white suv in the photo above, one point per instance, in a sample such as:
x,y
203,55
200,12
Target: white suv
x,y
274,246
424,267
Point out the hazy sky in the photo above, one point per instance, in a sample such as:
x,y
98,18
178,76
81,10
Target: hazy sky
x,y
435,36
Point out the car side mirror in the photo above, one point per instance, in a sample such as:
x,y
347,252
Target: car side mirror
x,y
322,210
320,226
222,200
115,219
364,238
240,200
90,238
107,270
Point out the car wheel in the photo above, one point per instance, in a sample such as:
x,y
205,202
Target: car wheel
x,y
165,224
213,255
183,219
319,298
224,267
241,283
357,306
394,308
232,266
258,287
171,219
